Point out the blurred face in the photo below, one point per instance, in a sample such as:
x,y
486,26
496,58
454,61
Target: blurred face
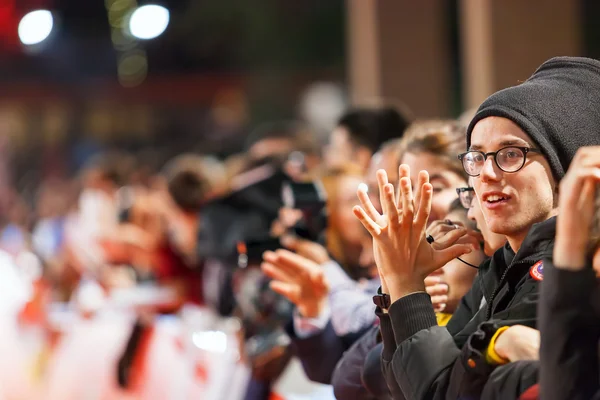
x,y
443,180
388,161
271,147
343,219
367,257
491,241
341,150
511,202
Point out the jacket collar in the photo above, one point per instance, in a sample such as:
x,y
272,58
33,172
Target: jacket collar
x,y
538,244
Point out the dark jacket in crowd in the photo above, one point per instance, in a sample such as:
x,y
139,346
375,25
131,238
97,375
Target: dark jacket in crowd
x,y
427,361
347,377
321,352
570,330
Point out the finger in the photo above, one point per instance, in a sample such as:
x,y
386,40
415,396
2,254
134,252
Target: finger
x,y
442,257
437,290
408,207
366,204
392,210
421,180
439,307
403,172
432,280
587,195
276,273
382,180
471,240
366,221
449,238
424,207
439,301
287,290
270,256
290,242
295,262
439,230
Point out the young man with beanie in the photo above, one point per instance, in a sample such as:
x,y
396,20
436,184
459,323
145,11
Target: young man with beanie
x,y
520,144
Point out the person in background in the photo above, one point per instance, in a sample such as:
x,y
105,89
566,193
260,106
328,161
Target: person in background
x,y
569,305
360,132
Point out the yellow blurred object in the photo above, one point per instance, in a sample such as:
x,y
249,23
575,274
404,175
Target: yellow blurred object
x,y
443,318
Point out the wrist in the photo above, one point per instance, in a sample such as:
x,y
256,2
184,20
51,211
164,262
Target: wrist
x,y
313,309
496,354
398,287
569,254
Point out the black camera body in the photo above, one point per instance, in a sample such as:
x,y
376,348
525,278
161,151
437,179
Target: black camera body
x,y
310,199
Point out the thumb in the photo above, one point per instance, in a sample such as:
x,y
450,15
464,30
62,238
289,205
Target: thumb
x,y
290,242
454,251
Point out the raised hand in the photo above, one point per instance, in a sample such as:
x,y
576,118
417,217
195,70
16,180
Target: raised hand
x,y
576,209
402,254
298,279
305,248
438,290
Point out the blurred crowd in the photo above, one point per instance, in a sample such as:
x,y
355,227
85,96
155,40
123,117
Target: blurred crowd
x,y
402,259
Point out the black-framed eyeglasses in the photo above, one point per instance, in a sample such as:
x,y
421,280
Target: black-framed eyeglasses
x,y
508,159
466,196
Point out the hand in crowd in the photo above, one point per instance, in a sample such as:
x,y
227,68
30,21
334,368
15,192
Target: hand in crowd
x,y
299,279
402,254
518,343
288,217
306,248
438,290
441,229
576,209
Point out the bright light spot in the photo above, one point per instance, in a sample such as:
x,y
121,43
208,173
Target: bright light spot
x,y
148,22
35,27
213,341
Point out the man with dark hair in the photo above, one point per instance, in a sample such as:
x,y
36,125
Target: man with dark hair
x,y
360,132
187,182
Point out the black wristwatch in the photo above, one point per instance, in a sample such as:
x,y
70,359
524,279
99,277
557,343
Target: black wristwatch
x,y
382,300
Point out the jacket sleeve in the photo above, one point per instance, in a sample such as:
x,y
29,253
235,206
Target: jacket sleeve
x,y
510,381
387,354
318,353
347,378
428,363
570,329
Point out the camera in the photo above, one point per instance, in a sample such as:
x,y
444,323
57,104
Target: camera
x,y
307,197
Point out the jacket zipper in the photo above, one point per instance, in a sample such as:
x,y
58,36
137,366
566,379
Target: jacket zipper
x,y
488,313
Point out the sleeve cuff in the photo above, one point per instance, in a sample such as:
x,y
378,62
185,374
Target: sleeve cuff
x,y
387,335
491,357
335,274
566,288
305,327
411,314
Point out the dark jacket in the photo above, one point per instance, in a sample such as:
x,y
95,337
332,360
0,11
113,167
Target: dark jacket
x,y
570,330
348,376
320,353
431,362
510,381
